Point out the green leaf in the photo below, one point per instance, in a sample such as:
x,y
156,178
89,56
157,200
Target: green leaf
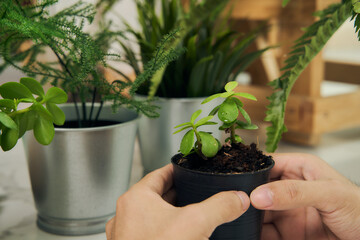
x,y
357,7
246,95
26,122
42,111
209,144
203,121
238,139
212,97
9,138
33,85
44,130
8,121
245,114
285,2
226,94
56,95
238,102
230,86
194,116
228,111
182,129
187,142
14,90
7,103
57,113
215,110
183,124
244,125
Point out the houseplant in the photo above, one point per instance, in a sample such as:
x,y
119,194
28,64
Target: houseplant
x,y
214,55
204,167
16,119
77,178
304,50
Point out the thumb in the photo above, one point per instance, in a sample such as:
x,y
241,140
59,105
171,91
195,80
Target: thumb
x,y
290,194
222,208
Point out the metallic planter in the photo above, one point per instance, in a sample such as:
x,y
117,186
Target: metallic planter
x,y
77,179
157,141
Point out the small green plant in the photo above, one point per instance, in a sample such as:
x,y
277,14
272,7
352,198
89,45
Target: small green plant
x,y
228,112
16,120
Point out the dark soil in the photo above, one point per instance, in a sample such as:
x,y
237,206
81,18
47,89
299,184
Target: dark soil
x,y
86,124
237,158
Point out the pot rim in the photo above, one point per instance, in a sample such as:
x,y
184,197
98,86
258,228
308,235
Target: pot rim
x,y
99,128
223,174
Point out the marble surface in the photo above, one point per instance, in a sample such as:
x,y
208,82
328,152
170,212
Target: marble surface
x,y
18,214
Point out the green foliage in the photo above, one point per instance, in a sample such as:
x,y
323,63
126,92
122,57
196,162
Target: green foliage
x,y
15,120
80,57
214,56
228,112
304,50
205,145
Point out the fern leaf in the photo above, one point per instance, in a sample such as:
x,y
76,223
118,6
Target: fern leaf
x,y
305,49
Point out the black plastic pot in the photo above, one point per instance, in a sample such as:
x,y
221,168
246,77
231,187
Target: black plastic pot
x,y
194,186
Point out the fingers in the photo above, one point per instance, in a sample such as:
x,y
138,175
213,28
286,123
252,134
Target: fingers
x,y
221,208
291,194
301,166
109,227
159,181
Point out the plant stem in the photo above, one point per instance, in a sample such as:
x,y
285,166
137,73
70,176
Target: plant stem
x,y
12,114
76,110
92,104
232,133
99,111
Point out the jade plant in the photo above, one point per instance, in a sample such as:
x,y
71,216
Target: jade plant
x,y
228,112
21,111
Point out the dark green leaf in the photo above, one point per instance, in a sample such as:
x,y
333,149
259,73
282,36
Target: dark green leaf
x,y
244,125
33,85
7,103
9,138
8,121
214,111
187,142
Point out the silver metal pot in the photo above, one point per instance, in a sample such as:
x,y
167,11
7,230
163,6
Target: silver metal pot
x,y
157,141
77,179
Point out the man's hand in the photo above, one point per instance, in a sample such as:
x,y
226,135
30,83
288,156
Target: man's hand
x,y
311,202
145,212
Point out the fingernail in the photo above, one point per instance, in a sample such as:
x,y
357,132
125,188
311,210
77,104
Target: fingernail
x,y
244,199
262,197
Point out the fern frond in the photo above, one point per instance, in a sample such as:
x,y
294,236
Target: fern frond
x,y
305,49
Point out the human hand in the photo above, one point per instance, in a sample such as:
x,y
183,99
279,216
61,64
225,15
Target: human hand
x,y
312,201
145,212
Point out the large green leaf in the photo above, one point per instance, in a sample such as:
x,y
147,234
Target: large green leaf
x,y
44,130
7,103
228,111
14,90
9,138
56,95
8,121
57,113
195,115
187,142
209,144
33,85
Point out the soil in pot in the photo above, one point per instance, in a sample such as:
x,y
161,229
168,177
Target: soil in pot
x,y
85,124
231,159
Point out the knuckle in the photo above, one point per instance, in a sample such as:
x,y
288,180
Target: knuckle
x,y
293,191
